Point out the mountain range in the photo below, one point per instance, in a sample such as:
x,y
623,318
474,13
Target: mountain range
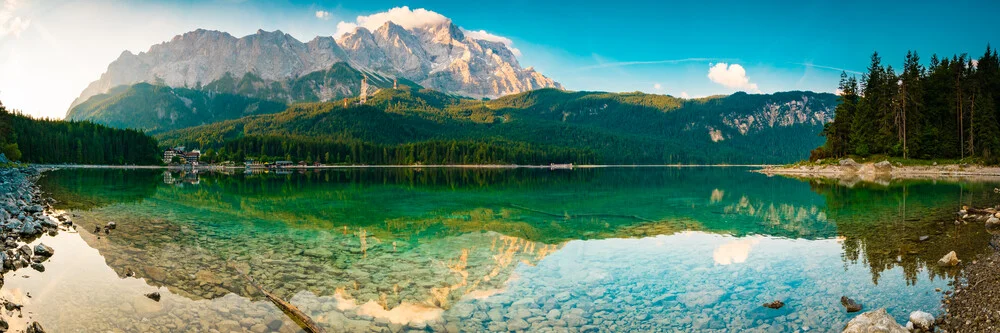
x,y
435,95
437,56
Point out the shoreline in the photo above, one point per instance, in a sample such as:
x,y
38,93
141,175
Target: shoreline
x,y
46,167
883,172
972,304
25,216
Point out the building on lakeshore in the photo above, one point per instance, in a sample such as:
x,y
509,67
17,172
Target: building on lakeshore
x,y
170,153
192,156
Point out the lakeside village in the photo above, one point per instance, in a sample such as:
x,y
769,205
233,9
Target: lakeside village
x,y
179,157
191,159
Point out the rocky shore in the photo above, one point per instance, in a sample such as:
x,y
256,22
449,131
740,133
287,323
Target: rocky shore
x,y
974,305
24,216
848,170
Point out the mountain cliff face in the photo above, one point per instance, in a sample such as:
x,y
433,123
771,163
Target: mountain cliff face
x,y
438,56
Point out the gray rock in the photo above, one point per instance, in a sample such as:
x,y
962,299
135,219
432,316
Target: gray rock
x,y
35,328
553,314
849,163
463,310
850,304
992,222
517,325
25,251
883,167
44,250
922,320
874,321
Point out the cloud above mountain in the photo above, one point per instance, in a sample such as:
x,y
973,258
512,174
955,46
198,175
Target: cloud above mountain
x,y
415,18
10,23
322,15
731,76
483,35
402,16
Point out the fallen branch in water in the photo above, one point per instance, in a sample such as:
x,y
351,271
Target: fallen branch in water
x,y
574,216
290,310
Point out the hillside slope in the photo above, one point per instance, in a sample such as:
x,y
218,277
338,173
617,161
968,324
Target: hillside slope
x,y
627,128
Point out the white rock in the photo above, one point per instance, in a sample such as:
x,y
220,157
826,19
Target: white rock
x,y
922,320
874,321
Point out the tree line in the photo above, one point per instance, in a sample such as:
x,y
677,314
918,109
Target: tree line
x,y
31,140
947,109
327,151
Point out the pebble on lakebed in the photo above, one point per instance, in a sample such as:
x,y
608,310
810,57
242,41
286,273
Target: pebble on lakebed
x,y
850,304
777,304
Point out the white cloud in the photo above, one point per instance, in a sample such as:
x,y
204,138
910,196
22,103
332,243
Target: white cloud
x,y
415,18
731,76
483,35
10,24
684,95
402,16
322,15
657,86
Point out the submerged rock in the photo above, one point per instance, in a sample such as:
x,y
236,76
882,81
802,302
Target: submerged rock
x,y
111,225
43,250
850,304
154,296
922,320
924,238
38,267
35,327
992,222
777,304
874,321
950,259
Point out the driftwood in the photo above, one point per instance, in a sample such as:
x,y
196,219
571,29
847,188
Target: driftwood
x,y
290,310
575,216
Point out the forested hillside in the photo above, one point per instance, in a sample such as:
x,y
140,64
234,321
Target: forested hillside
x,y
26,139
946,109
156,108
409,125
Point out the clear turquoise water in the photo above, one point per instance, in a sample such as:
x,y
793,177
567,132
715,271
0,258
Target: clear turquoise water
x,y
617,249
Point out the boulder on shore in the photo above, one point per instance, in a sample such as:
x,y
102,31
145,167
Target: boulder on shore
x,y
874,321
922,320
883,167
950,259
43,250
849,163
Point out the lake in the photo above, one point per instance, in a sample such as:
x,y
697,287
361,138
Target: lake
x,y
385,250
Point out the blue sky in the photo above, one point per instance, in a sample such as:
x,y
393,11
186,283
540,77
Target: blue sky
x,y
50,50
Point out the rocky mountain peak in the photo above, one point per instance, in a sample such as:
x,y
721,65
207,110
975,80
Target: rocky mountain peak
x,y
438,56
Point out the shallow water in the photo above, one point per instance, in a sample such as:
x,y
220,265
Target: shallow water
x,y
651,249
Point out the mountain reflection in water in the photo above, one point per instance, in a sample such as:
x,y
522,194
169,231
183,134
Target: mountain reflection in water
x,y
487,249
